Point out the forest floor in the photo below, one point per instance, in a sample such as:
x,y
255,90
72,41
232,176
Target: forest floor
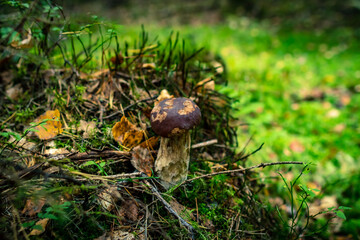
x,y
284,96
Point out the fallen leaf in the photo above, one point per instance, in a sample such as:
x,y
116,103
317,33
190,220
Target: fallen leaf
x,y
129,209
41,223
108,197
126,133
25,43
7,77
31,208
118,59
89,128
150,143
208,84
148,65
142,160
297,146
122,235
164,94
51,127
14,92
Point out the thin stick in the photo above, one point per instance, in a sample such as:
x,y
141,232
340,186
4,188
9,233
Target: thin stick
x,y
204,144
170,209
261,165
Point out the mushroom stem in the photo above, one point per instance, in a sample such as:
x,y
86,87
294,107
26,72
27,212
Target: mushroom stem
x,y
172,162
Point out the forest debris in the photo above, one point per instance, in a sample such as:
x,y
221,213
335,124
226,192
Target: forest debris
x,y
129,209
108,197
150,143
208,84
49,125
42,224
322,205
105,154
126,133
184,212
27,42
14,92
32,207
122,235
142,160
164,94
89,128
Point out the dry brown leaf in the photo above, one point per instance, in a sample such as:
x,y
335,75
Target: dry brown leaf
x,y
129,209
108,197
142,160
148,65
52,126
126,133
32,208
208,84
43,223
25,43
122,235
14,92
89,128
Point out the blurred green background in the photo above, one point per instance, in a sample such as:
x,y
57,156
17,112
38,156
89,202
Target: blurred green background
x,y
294,74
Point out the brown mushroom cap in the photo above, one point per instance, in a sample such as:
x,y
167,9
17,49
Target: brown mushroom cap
x,y
174,116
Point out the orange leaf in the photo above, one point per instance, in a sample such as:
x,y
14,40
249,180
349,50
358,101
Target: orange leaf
x,y
150,143
32,208
126,133
43,223
49,125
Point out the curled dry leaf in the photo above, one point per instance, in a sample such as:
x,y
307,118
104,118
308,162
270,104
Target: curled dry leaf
x,y
49,125
42,223
32,207
126,133
142,160
25,43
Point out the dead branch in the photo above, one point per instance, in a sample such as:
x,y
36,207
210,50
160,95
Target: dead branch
x,y
113,154
261,165
204,144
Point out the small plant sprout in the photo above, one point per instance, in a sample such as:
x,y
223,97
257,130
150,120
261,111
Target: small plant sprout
x,y
172,119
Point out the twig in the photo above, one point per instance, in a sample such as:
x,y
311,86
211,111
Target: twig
x,y
91,155
171,210
261,165
130,106
204,144
248,155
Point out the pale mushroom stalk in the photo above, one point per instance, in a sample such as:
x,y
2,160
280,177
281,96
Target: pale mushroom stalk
x,y
172,119
173,159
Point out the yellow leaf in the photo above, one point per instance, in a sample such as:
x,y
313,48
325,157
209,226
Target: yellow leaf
x,y
126,133
51,127
42,223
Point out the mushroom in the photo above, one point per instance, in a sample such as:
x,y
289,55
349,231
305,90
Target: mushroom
x,y
172,119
